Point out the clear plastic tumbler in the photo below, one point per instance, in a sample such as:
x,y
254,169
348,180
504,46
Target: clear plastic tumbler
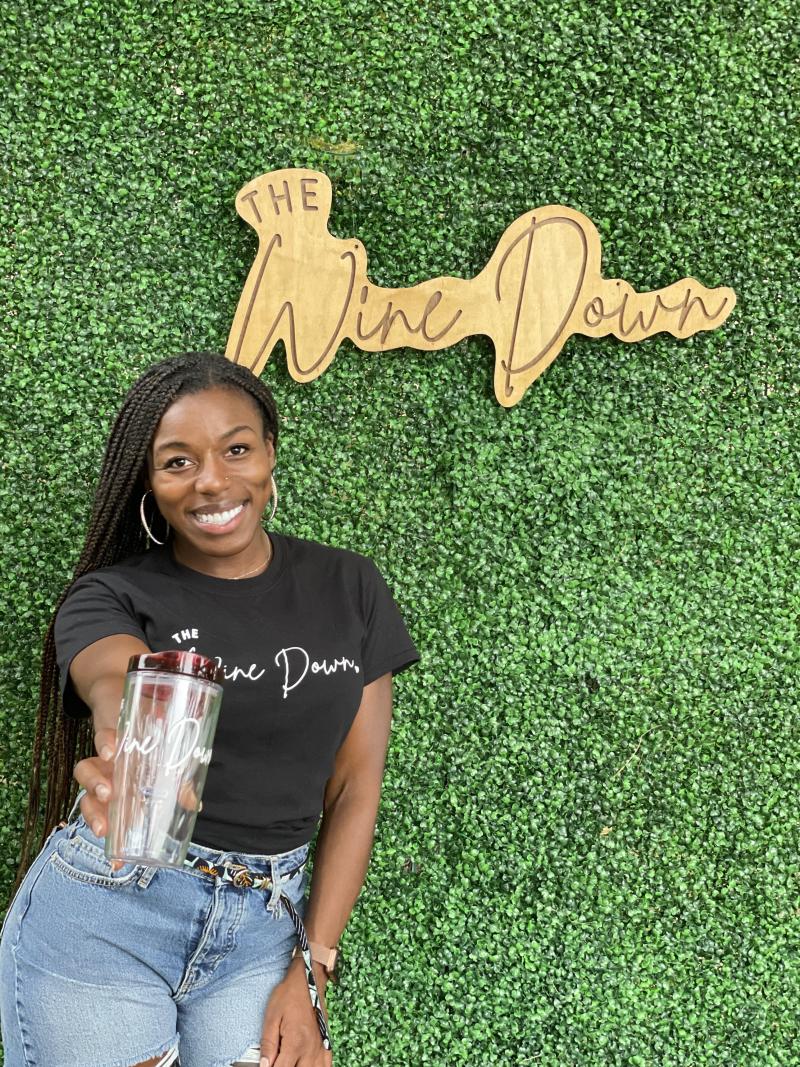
x,y
170,707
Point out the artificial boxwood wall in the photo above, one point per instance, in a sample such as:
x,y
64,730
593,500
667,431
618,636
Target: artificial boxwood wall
x,y
587,847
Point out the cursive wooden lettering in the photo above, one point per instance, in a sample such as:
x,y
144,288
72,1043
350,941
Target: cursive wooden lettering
x,y
541,285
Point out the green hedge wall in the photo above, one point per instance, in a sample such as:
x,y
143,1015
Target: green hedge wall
x,y
587,850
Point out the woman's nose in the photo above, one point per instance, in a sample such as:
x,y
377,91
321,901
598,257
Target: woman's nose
x,y
211,476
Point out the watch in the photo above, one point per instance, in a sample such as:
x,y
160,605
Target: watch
x,y
329,958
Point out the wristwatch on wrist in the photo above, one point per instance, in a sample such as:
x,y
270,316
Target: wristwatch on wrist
x,y
329,958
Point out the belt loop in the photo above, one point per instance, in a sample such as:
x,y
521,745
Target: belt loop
x,y
147,877
274,902
71,824
76,805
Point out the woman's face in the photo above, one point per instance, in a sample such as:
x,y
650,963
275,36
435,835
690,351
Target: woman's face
x,y
209,467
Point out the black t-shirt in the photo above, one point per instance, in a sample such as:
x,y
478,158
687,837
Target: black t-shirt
x,y
297,644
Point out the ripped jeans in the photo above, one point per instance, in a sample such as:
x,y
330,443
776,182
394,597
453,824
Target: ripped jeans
x,y
110,968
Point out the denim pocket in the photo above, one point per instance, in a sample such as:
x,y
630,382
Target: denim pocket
x,y
83,861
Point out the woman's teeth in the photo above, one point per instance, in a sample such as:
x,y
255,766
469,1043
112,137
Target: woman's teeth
x,y
220,519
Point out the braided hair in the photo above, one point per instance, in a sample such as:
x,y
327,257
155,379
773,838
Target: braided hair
x,y
115,533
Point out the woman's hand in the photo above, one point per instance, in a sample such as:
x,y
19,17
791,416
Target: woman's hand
x,y
95,774
290,1036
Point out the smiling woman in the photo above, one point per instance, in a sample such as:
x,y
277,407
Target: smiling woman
x,y
217,486
177,557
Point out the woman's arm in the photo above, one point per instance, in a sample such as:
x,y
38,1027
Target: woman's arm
x,y
352,798
98,676
343,849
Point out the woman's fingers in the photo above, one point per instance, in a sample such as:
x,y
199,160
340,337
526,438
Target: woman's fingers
x,y
95,774
90,775
95,813
187,797
105,743
94,802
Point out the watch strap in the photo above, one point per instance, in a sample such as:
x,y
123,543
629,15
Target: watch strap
x,y
321,954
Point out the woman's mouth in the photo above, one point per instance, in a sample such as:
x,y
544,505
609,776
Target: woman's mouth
x,y
220,522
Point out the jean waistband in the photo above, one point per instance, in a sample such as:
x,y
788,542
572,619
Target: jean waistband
x,y
281,863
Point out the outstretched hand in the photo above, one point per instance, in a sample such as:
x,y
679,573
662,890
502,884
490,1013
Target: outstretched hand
x,y
290,1036
95,774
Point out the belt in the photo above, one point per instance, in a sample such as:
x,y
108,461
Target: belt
x,y
242,877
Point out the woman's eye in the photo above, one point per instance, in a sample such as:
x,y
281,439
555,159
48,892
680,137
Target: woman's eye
x,y
172,464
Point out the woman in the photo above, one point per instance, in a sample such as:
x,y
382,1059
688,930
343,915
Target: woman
x,y
115,965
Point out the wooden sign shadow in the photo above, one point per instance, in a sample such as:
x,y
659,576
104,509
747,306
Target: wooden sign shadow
x,y
541,285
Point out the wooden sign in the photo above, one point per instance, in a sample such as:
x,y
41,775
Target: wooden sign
x,y
541,285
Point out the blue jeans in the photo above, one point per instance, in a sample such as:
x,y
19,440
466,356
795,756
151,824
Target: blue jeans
x,y
109,968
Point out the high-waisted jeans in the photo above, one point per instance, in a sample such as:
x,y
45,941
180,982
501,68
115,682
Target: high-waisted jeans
x,y
109,968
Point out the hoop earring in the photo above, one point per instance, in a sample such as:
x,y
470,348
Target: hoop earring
x,y
274,497
144,521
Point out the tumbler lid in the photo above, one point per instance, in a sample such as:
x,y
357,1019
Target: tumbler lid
x,y
177,662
